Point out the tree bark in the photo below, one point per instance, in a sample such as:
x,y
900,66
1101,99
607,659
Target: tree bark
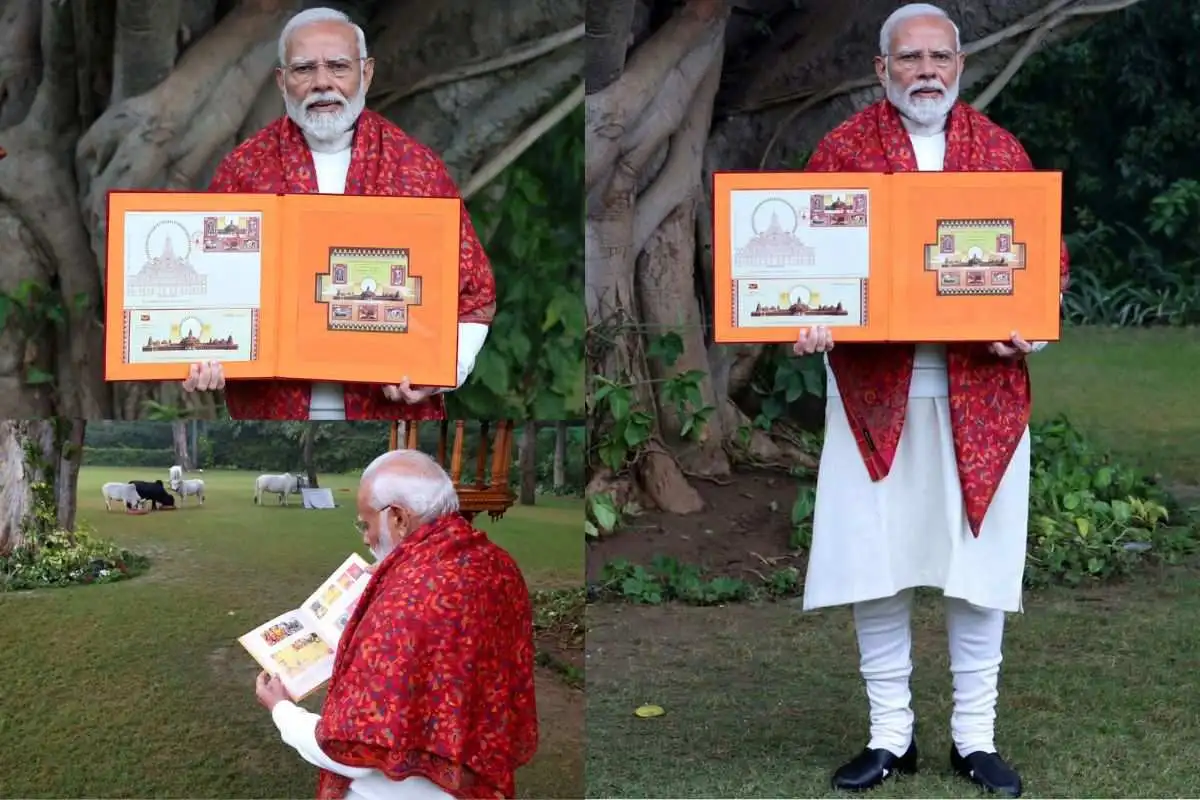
x,y
310,462
179,439
29,454
527,458
560,455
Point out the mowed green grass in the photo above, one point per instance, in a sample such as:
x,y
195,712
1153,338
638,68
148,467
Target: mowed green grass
x,y
140,689
1099,688
1136,392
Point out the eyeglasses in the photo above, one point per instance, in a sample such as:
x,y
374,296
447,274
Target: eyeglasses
x,y
307,70
912,59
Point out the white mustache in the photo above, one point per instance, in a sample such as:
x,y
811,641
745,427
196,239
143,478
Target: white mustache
x,y
323,97
926,85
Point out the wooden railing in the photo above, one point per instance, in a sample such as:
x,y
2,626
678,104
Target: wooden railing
x,y
489,492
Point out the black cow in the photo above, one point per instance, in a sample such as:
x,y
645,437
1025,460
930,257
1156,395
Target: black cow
x,y
155,492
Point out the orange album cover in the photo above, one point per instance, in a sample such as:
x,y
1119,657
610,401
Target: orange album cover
x,y
341,288
897,257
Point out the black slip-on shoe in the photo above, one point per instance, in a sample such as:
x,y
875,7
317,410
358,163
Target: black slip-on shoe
x,y
870,768
987,770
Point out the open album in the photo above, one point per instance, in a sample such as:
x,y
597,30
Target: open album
x,y
299,646
343,288
904,257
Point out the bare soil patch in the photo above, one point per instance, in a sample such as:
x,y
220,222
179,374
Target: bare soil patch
x,y
746,520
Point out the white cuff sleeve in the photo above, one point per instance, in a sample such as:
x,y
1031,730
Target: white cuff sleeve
x,y
299,730
471,336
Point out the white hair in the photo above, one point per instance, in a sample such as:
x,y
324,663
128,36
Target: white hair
x,y
311,17
906,12
423,488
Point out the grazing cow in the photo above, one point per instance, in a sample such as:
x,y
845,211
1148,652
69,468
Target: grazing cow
x,y
282,485
192,487
155,492
122,493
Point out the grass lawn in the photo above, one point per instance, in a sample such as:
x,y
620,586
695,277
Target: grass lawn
x,y
1134,390
1099,689
140,688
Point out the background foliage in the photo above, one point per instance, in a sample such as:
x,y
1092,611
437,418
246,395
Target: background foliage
x,y
532,364
1117,111
338,447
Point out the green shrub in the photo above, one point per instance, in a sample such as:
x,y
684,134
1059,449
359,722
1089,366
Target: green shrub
x,y
128,457
50,556
1091,518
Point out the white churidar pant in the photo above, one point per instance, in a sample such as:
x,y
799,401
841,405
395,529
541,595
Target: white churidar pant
x,y
873,542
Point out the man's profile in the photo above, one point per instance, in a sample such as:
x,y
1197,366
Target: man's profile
x,y
432,694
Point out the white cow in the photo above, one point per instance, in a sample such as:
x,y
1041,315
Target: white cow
x,y
176,473
193,487
121,492
282,485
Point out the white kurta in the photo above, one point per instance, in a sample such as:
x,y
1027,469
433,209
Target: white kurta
x,y
328,401
298,728
873,539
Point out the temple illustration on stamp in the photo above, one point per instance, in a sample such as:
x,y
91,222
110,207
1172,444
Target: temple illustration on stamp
x,y
177,299
974,256
368,289
799,257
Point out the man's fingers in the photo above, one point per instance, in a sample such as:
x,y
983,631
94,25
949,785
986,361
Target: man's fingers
x,y
391,393
189,383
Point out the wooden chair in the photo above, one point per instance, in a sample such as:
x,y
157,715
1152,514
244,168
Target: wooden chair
x,y
489,492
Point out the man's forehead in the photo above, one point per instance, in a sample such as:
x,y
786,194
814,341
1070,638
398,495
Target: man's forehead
x,y
923,32
324,40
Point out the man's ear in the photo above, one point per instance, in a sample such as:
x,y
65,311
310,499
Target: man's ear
x,y
881,69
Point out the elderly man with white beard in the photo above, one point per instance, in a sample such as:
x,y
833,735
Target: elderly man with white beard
x,y
329,143
924,474
432,694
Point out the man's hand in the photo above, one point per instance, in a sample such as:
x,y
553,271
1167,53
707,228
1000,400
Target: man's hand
x,y
818,339
407,393
270,691
206,376
1016,347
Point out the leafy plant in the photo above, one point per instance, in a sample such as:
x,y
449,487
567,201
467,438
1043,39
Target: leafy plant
x,y
50,556
629,425
1091,518
530,222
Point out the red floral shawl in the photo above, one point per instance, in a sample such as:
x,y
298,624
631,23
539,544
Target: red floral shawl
x,y
989,397
384,161
434,672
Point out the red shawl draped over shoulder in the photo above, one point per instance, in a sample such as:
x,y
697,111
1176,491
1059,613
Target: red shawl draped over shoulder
x,y
384,161
434,672
989,396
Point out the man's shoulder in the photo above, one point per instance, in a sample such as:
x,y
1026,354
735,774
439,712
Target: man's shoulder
x,y
264,137
396,138
996,134
851,133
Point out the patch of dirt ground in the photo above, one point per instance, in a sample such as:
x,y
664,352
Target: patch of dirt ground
x,y
746,519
